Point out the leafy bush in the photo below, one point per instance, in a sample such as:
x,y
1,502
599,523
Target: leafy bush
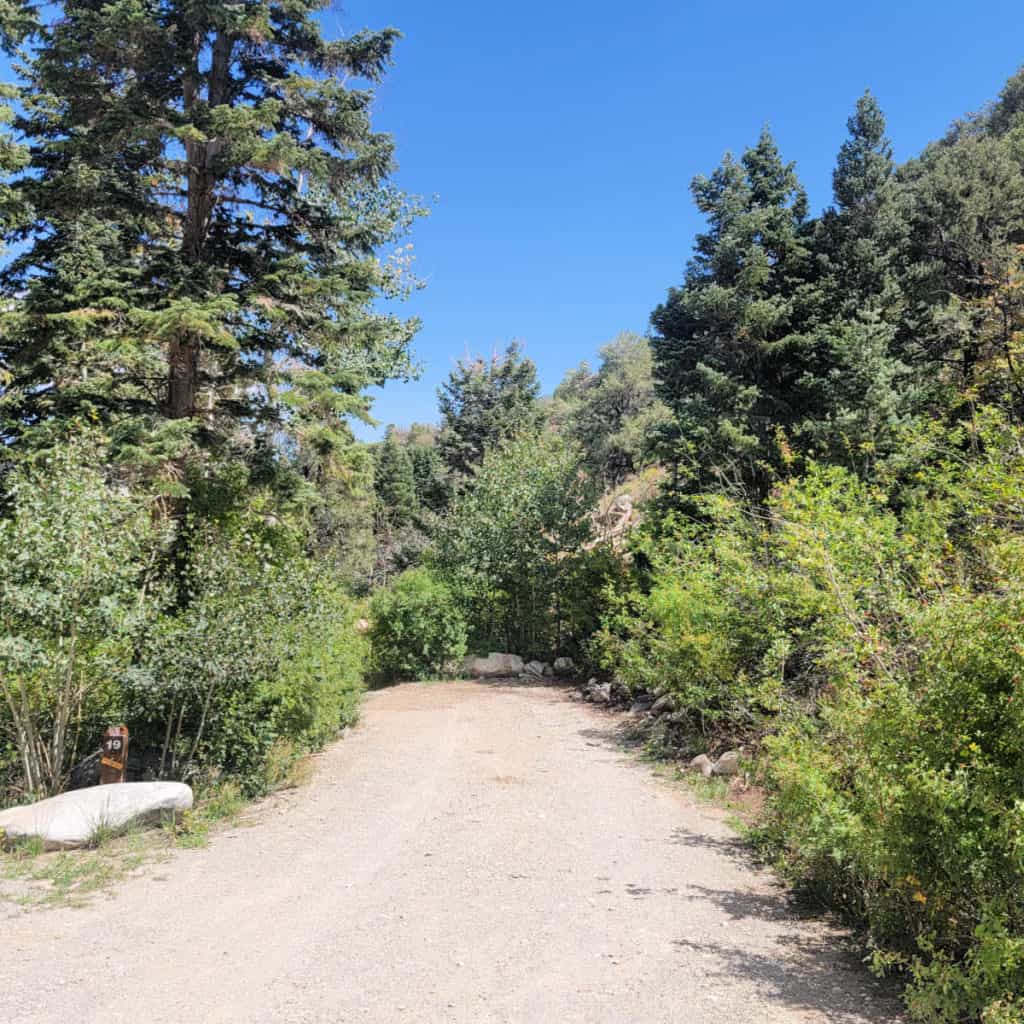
x,y
509,545
75,566
250,648
264,650
874,649
417,627
904,798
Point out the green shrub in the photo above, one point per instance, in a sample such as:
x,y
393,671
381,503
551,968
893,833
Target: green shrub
x,y
265,650
873,650
76,585
510,546
417,627
321,676
250,646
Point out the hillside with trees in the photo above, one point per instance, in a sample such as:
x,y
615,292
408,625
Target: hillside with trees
x,y
830,574
819,446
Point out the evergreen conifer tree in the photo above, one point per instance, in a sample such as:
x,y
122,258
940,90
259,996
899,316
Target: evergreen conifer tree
x,y
726,350
208,204
396,484
432,488
484,402
855,390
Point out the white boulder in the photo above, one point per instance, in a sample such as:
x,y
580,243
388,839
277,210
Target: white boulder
x,y
703,764
565,667
535,668
508,665
73,819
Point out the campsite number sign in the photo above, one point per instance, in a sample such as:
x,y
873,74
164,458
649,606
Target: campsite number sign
x,y
114,759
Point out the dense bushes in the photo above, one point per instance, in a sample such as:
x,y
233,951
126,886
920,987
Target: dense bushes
x,y
510,546
417,627
875,643
243,647
263,651
74,558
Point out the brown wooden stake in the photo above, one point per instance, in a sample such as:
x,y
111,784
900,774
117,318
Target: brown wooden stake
x,y
114,759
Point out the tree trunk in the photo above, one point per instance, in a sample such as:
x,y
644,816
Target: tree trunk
x,y
183,377
183,352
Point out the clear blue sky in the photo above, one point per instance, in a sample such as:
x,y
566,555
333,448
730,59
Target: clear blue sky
x,y
561,137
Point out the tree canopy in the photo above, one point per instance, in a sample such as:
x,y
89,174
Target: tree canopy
x,y
203,225
485,401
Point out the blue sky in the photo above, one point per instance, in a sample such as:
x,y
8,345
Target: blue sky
x,y
561,137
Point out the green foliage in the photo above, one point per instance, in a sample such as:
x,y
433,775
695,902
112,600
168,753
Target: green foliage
x,y
75,587
396,483
433,489
202,260
728,351
611,414
485,402
254,645
508,545
871,646
904,799
418,630
264,649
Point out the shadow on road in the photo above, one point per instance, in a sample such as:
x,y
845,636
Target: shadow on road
x,y
822,972
806,974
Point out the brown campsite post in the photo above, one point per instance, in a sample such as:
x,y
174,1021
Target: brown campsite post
x,y
114,759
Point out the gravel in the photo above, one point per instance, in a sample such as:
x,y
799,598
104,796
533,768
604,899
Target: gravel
x,y
472,852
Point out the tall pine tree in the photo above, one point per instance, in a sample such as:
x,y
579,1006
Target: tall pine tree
x,y
395,482
726,350
484,402
855,389
208,203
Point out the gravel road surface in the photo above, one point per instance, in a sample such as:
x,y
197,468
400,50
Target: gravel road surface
x,y
471,853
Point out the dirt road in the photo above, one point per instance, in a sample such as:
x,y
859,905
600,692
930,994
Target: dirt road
x,y
471,853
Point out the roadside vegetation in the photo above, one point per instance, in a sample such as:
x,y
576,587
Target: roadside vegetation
x,y
794,509
201,226
830,573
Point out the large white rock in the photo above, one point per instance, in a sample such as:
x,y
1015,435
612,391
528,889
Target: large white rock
x,y
565,667
72,819
493,665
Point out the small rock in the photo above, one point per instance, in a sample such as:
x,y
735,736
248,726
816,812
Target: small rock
x,y
727,764
548,670
565,667
535,668
639,706
620,691
599,693
702,763
623,503
664,703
